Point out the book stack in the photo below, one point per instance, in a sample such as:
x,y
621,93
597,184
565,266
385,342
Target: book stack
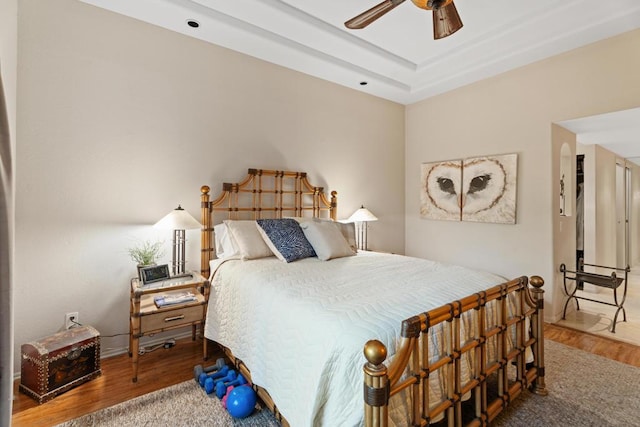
x,y
174,298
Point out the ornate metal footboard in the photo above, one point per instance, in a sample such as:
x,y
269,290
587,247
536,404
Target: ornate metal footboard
x,y
517,323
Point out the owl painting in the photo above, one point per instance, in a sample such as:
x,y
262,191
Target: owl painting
x,y
441,188
481,189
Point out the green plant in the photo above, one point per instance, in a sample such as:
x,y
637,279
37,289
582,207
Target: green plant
x,y
146,252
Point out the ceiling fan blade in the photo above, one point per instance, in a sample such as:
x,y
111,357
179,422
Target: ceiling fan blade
x,y
446,21
366,18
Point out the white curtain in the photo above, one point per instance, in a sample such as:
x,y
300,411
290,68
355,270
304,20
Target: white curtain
x,y
6,250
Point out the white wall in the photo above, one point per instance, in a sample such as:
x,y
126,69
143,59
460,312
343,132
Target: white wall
x,y
119,121
513,113
563,143
634,259
8,68
605,208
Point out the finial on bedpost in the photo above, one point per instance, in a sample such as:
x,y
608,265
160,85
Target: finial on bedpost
x,y
537,282
205,233
334,205
376,385
375,352
537,320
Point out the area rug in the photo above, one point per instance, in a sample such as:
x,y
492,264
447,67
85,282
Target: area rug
x,y
181,405
584,390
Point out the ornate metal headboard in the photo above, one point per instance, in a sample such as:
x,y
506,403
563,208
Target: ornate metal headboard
x,y
262,194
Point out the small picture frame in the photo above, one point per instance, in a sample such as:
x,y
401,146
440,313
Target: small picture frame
x,y
154,273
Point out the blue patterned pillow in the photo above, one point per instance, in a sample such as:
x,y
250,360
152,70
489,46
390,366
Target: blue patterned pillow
x,y
285,238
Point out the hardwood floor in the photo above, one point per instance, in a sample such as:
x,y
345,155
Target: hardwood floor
x,y
602,346
163,368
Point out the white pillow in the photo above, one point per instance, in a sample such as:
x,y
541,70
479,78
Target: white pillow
x,y
348,229
225,247
327,240
248,240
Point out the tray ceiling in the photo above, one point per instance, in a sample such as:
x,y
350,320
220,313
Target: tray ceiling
x,y
396,56
618,132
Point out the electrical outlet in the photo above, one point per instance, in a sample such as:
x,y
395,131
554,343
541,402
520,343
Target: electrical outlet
x,y
69,320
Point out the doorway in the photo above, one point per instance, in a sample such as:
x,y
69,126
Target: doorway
x,y
606,219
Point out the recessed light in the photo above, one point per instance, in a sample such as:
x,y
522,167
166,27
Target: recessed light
x,y
363,83
193,24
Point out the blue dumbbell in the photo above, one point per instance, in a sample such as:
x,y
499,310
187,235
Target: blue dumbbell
x,y
210,383
221,387
215,375
198,369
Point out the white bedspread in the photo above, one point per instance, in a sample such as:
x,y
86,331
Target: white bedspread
x,y
301,327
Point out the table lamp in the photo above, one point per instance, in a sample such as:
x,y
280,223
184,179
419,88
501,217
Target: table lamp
x,y
178,220
361,217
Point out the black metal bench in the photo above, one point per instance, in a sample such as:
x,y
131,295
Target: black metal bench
x,y
611,282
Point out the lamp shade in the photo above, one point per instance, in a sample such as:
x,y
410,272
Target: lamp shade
x,y
362,215
178,219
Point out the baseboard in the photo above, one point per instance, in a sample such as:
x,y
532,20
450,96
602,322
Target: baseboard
x,y
552,318
147,343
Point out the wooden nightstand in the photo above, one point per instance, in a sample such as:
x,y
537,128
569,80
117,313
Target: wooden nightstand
x,y
146,318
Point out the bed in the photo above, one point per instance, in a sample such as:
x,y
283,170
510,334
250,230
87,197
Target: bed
x,y
421,342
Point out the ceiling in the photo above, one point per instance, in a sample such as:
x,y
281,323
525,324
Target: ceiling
x,y
618,132
396,56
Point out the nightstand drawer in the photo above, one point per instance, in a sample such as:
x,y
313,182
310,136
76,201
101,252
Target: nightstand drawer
x,y
171,318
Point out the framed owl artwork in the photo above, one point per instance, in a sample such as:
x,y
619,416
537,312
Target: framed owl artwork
x,y
479,189
441,187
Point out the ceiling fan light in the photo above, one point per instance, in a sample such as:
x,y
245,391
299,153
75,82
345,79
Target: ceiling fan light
x,y
436,4
431,4
446,21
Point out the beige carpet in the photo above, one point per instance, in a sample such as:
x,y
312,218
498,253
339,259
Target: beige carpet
x,y
584,390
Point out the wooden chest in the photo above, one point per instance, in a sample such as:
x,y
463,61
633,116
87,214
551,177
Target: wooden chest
x,y
57,363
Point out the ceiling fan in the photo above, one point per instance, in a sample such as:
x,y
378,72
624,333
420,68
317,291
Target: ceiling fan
x,y
446,20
